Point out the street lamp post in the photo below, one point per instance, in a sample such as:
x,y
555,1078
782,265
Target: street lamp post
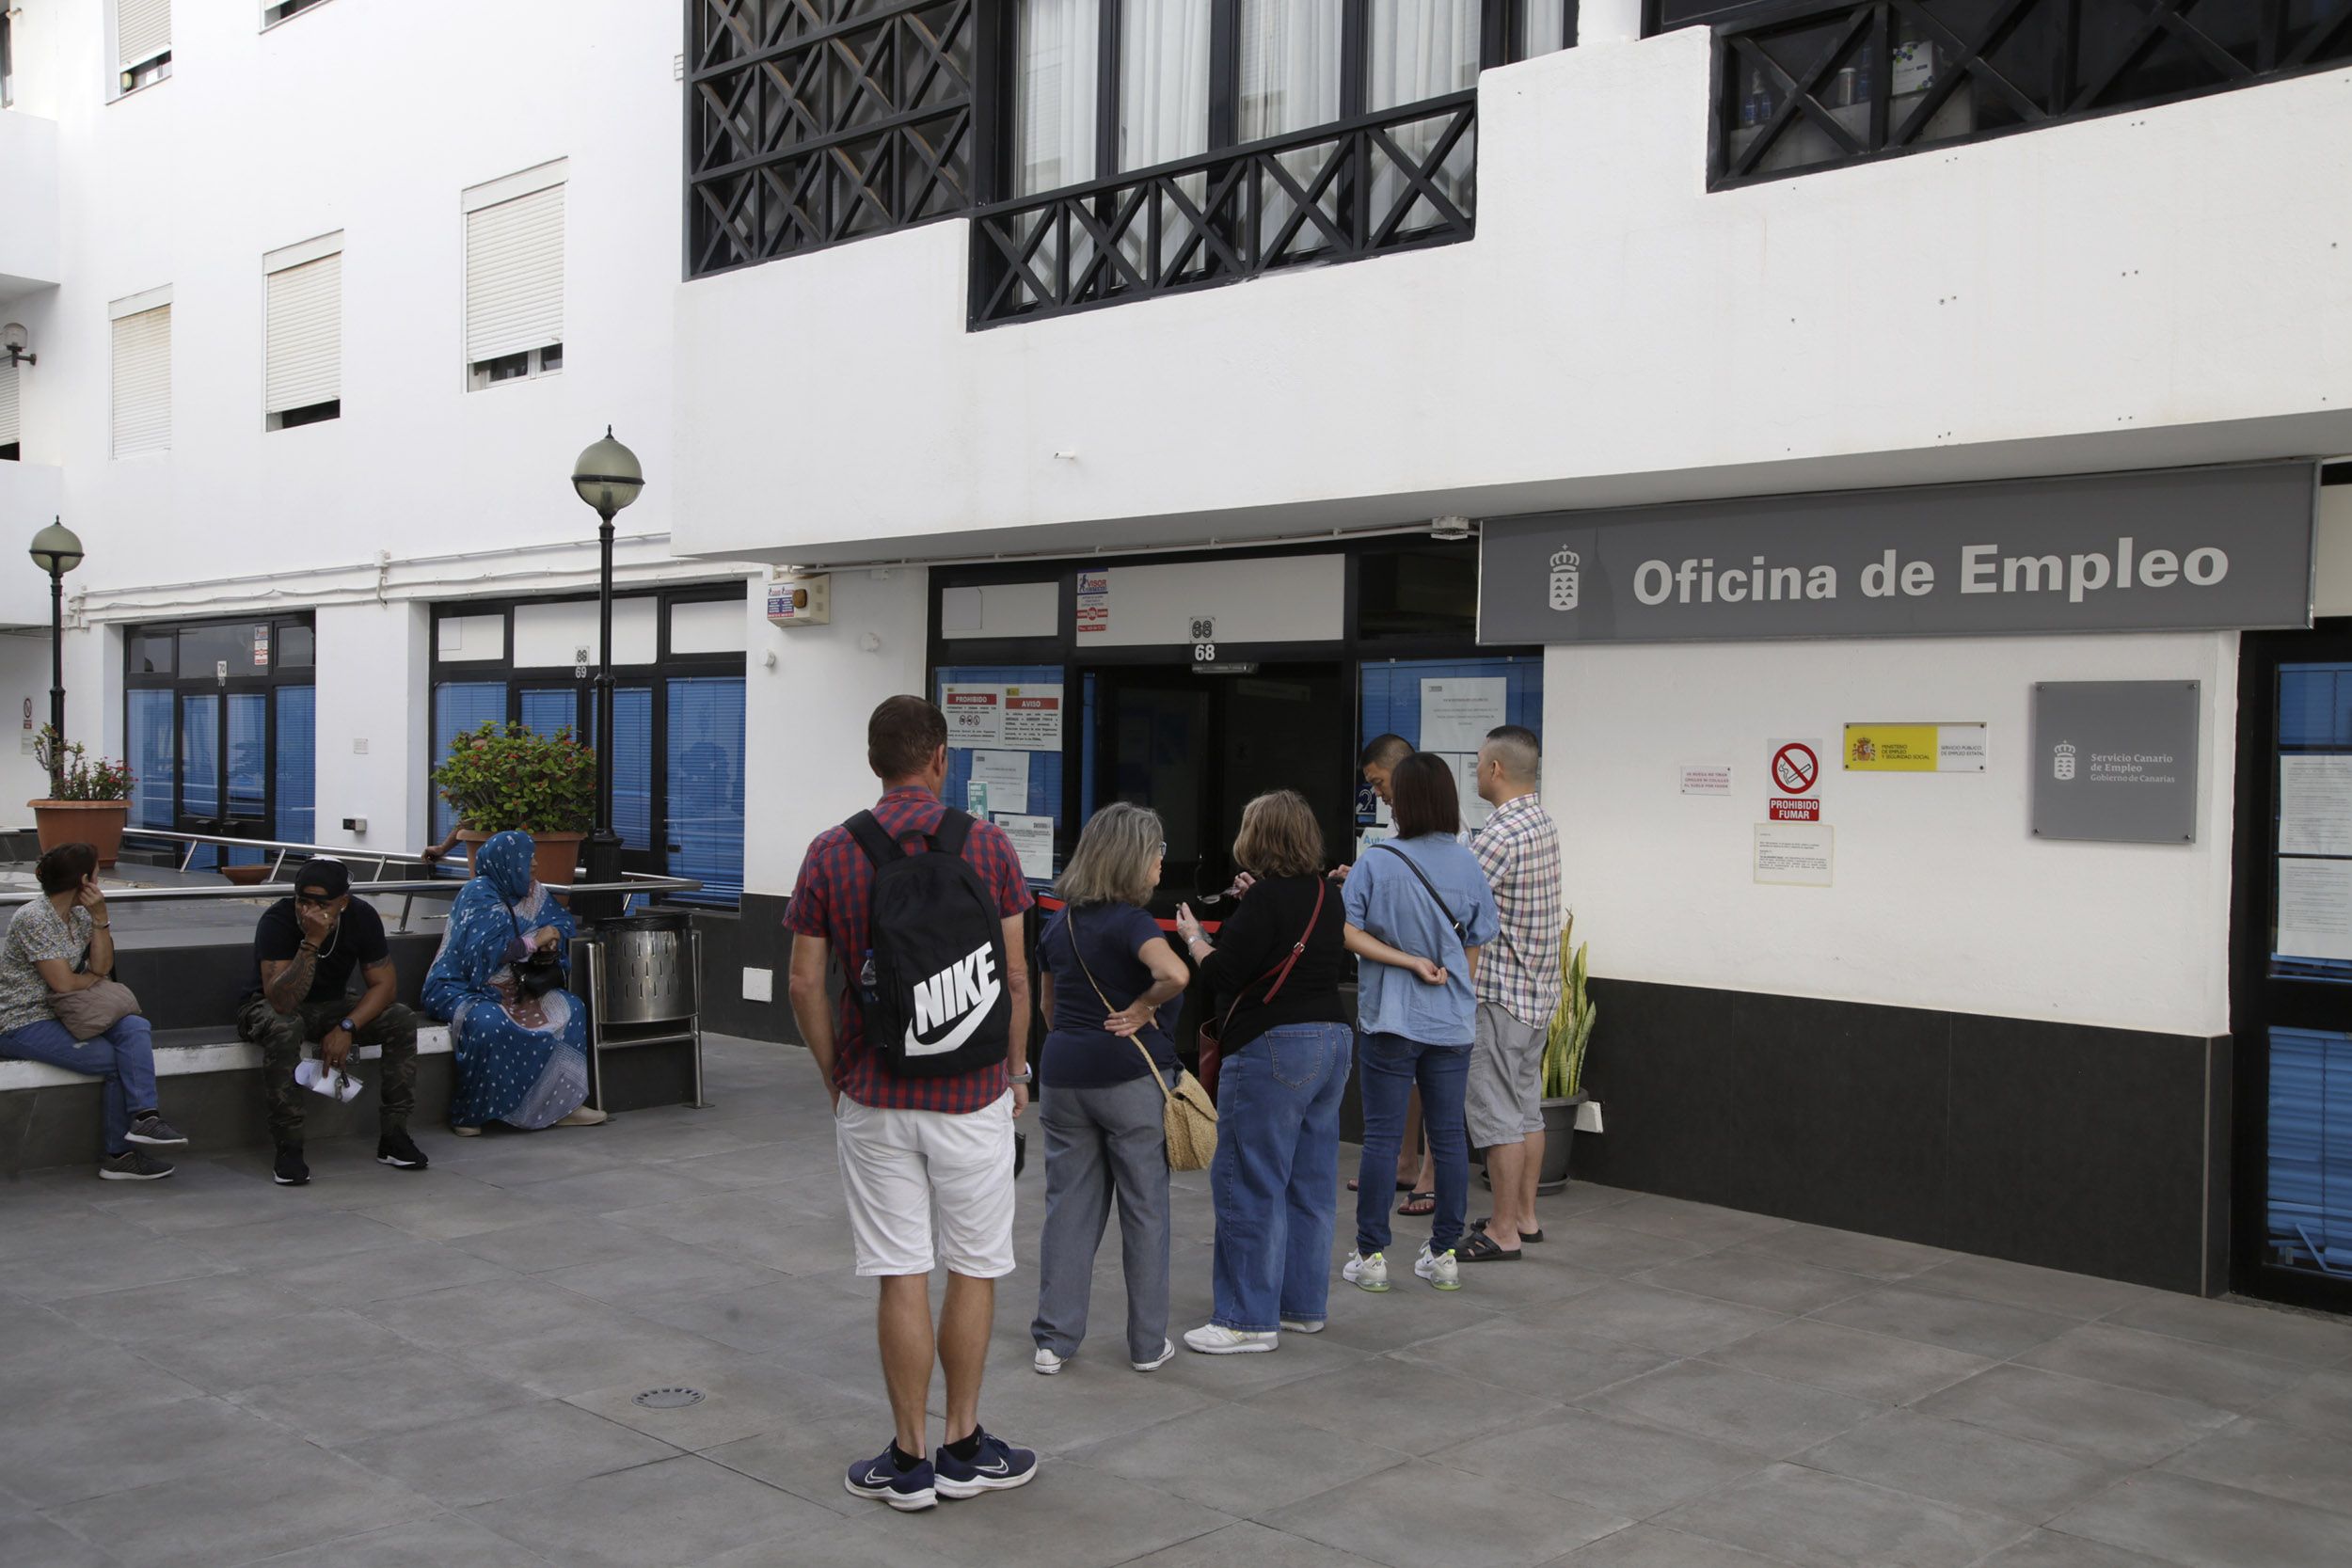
x,y
57,551
607,477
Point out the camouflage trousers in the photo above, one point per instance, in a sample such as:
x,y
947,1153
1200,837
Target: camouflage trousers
x,y
283,1036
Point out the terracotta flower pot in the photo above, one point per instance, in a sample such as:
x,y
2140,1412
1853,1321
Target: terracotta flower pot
x,y
96,823
554,856
246,876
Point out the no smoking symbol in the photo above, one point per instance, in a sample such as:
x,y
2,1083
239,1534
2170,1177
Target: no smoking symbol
x,y
1795,768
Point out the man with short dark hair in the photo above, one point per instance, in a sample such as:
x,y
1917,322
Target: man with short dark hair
x,y
305,949
926,1162
1519,991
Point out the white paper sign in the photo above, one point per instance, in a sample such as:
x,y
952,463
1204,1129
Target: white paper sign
x,y
2315,909
976,714
1796,854
1474,810
1456,714
1033,718
2315,805
1033,839
1706,778
1005,773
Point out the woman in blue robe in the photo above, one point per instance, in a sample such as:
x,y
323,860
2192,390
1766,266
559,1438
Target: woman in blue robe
x,y
521,1059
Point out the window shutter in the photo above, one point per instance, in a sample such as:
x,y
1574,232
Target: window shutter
x,y
305,334
142,405
7,404
142,30
515,276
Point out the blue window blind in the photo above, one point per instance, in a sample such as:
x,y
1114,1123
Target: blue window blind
x,y
1045,767
2314,720
297,764
459,706
154,760
199,768
1391,691
548,711
2310,1196
249,769
632,764
706,783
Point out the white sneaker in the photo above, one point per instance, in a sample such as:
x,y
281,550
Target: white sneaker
x,y
1303,1325
1217,1339
1440,1269
1366,1274
1168,1354
1047,1362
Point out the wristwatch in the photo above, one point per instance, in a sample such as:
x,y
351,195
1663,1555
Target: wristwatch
x,y
348,1027
1024,1076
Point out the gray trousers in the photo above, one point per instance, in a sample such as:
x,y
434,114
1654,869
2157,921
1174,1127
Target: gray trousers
x,y
1098,1142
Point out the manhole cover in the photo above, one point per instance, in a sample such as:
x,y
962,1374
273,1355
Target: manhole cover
x,y
670,1399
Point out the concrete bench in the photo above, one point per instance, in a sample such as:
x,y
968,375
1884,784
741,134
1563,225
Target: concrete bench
x,y
193,1051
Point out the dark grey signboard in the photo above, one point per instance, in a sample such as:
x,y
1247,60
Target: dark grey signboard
x,y
2115,761
2182,549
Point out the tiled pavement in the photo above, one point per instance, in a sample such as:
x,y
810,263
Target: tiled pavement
x,y
386,1370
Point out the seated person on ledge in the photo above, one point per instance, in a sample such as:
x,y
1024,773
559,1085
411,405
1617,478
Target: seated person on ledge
x,y
304,952
520,1037
62,943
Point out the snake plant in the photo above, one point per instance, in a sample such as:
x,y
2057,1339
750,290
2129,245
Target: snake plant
x,y
1571,1025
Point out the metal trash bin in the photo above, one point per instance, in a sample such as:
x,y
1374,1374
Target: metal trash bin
x,y
644,977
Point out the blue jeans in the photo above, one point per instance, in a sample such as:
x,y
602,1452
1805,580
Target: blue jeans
x,y
122,1055
1391,1066
1275,1180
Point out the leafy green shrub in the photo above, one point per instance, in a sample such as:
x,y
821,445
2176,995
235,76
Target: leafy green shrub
x,y
73,777
504,776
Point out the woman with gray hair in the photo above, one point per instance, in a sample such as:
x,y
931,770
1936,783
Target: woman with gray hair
x,y
1111,984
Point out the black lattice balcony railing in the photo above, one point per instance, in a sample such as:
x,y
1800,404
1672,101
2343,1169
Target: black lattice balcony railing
x,y
1391,181
1813,87
810,123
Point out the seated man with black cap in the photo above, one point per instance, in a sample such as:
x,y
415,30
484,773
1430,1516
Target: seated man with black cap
x,y
304,952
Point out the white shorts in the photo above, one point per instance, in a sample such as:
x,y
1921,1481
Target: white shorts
x,y
926,1187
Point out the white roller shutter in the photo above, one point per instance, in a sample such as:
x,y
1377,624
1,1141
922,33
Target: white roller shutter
x,y
305,334
142,30
7,403
142,404
515,276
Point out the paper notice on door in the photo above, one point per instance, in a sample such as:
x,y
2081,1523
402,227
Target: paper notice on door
x,y
1456,714
1007,776
1798,854
2315,909
976,714
1033,718
1465,766
2315,805
1033,841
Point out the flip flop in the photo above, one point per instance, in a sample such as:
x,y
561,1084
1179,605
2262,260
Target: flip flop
x,y
1418,1203
1480,1224
1480,1248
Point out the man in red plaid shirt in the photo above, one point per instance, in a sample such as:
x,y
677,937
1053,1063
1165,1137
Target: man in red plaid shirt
x,y
914,1148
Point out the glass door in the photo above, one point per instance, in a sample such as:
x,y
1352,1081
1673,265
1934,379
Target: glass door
x,y
2291,968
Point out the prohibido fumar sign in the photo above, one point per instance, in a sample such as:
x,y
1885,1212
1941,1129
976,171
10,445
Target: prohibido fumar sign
x,y
2184,549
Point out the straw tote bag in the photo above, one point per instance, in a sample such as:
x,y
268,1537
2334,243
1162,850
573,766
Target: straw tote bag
x,y
1188,1114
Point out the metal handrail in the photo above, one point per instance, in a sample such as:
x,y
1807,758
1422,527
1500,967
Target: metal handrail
x,y
631,882
282,846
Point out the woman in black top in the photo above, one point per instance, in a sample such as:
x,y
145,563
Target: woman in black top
x,y
1109,996
1276,969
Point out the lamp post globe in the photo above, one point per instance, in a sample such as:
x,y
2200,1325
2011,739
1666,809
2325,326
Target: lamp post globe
x,y
56,551
607,477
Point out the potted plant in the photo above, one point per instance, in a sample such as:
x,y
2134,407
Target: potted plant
x,y
1564,1062
88,803
503,777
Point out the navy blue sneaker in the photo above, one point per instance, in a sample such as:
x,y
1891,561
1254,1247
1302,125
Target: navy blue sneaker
x,y
997,1467
909,1491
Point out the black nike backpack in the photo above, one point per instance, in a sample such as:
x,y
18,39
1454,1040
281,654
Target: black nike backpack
x,y
932,990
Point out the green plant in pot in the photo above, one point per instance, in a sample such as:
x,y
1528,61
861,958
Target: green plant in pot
x,y
503,777
1565,1045
88,803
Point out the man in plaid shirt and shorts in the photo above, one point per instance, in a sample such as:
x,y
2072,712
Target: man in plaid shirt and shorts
x,y
1518,989
913,1149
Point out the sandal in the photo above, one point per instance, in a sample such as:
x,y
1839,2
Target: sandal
x,y
1401,1186
1481,1248
1480,1224
1418,1203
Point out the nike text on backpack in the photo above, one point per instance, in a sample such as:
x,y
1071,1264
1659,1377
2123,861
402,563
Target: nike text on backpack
x,y
932,988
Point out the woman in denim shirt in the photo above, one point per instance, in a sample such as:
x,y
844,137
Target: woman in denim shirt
x,y
1419,909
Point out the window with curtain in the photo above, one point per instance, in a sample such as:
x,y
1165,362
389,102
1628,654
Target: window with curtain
x,y
1289,66
1162,81
1543,27
1058,45
706,783
1421,49
297,765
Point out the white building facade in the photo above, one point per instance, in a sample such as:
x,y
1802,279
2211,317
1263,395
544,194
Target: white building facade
x,y
1020,325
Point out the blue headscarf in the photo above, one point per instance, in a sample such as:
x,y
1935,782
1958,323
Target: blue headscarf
x,y
494,912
